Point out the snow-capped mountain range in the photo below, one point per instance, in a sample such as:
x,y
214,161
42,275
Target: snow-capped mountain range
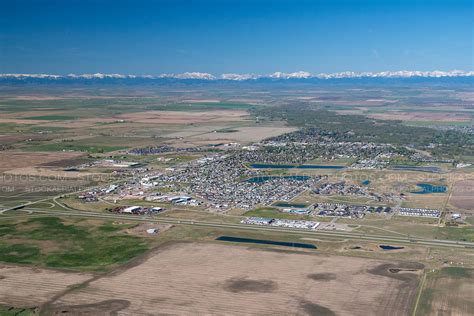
x,y
243,77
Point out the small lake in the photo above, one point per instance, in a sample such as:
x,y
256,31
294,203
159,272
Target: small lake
x,y
418,168
266,242
295,205
366,182
271,166
262,179
388,247
427,188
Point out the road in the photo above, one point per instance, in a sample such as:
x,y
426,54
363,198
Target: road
x,y
301,232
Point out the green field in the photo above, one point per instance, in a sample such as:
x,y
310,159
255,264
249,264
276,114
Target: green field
x,y
51,118
203,106
274,213
56,243
13,311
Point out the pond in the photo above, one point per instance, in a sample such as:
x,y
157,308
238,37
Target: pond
x,y
427,188
266,242
271,166
262,179
388,247
295,205
418,168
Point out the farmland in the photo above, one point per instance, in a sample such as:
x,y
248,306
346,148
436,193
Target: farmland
x,y
447,290
73,158
239,281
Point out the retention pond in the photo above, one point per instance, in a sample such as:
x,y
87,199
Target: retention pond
x,y
266,242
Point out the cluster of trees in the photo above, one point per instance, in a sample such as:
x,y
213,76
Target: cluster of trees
x,y
449,143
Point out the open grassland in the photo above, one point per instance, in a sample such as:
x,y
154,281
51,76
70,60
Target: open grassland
x,y
216,278
58,243
275,213
412,226
447,292
13,311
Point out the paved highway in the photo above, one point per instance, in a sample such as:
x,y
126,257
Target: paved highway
x,y
320,233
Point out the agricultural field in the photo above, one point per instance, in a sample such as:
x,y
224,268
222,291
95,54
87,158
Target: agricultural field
x,y
79,263
447,291
243,276
463,195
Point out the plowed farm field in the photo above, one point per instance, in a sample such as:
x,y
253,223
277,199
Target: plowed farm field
x,y
210,278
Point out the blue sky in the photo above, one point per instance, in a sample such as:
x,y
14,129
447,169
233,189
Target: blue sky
x,y
152,37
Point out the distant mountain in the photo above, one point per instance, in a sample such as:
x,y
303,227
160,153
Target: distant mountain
x,y
300,76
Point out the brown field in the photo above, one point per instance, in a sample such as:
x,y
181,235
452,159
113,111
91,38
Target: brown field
x,y
13,160
182,117
215,133
47,172
247,134
14,138
153,117
446,294
423,116
463,195
205,278
31,287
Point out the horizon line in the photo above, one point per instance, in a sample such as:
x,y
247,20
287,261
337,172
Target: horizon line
x,y
248,76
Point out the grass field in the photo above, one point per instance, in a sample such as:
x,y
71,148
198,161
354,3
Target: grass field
x,y
275,213
12,311
202,106
51,118
53,242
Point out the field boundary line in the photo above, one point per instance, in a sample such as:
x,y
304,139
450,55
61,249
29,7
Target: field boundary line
x,y
422,285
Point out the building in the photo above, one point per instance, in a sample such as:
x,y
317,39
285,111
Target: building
x,y
132,209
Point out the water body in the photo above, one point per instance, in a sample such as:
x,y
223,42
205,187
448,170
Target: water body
x,y
427,188
388,247
71,169
366,182
415,168
267,178
290,205
266,242
271,166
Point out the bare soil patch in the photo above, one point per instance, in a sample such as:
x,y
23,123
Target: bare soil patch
x,y
110,307
237,285
463,195
238,134
183,117
322,276
316,309
30,287
13,160
447,295
47,172
209,278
